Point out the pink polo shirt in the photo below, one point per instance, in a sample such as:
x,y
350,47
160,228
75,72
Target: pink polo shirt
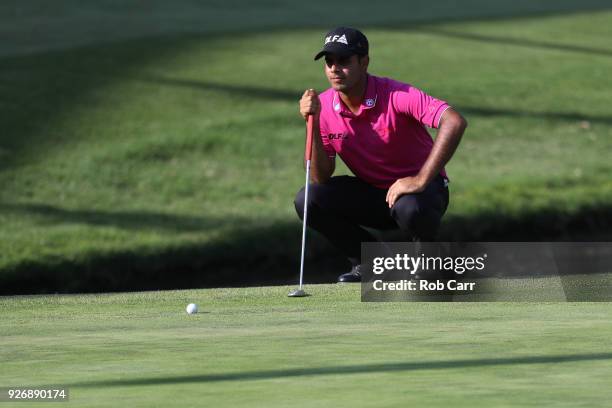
x,y
386,140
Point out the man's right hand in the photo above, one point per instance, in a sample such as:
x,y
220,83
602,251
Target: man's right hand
x,y
310,105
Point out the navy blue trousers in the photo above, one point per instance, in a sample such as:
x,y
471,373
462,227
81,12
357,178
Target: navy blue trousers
x,y
341,207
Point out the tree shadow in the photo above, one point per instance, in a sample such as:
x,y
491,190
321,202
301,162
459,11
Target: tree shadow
x,y
288,95
583,224
540,45
37,89
348,370
247,91
83,23
514,113
252,253
127,220
543,224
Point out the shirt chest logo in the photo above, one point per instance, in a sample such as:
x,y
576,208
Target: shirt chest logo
x,y
337,136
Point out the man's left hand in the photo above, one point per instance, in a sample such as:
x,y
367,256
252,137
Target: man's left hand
x,y
406,185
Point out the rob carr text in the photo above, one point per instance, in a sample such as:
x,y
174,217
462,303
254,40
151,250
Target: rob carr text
x,y
423,285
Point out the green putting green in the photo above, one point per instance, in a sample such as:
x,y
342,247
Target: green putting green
x,y
257,347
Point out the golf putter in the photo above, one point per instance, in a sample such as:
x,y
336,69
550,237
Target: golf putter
x,y
299,292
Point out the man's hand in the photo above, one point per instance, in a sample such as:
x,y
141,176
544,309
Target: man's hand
x,y
310,105
322,166
406,185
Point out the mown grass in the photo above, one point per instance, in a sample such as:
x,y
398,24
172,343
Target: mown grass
x,y
185,149
256,347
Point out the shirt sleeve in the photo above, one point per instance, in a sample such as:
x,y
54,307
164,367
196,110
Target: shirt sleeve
x,y
426,109
327,146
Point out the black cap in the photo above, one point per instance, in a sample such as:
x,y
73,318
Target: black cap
x,y
345,42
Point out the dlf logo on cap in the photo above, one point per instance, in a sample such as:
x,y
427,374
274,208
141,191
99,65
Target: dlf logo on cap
x,y
336,38
344,42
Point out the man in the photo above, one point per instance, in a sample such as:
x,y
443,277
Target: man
x,y
377,126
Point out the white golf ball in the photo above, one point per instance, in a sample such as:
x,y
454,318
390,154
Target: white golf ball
x,y
192,308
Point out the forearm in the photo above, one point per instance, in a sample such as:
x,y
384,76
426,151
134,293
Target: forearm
x,y
452,127
321,166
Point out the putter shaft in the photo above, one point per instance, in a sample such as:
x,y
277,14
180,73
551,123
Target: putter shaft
x,y
307,156
304,223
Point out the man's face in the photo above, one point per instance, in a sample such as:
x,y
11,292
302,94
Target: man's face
x,y
343,73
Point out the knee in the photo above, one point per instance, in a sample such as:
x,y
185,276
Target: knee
x,y
316,198
300,198
420,222
405,211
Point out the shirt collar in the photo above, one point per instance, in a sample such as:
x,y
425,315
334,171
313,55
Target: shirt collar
x,y
369,99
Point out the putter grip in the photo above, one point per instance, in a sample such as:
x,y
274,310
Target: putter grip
x,y
309,132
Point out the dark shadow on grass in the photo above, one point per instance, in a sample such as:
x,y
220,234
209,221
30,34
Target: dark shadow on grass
x,y
249,255
349,370
583,224
513,113
128,220
387,15
37,89
488,226
540,45
272,94
255,253
248,91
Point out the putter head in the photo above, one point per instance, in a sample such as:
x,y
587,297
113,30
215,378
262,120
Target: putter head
x,y
297,293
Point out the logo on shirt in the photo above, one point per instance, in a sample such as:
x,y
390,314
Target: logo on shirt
x,y
370,102
336,38
337,136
